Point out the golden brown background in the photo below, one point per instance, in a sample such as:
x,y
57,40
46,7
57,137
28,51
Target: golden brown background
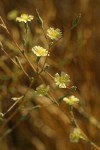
x,y
78,54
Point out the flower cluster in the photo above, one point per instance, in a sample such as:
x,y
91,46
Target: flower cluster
x,y
39,51
54,34
63,80
25,18
42,90
71,100
75,135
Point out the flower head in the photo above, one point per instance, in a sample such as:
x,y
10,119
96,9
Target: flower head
x,y
75,135
54,34
62,80
42,90
39,51
25,18
71,100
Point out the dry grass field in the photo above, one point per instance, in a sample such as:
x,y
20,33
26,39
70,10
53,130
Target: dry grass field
x,y
77,53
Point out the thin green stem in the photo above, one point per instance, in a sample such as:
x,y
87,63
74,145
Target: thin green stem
x,y
18,65
52,100
15,43
17,109
85,138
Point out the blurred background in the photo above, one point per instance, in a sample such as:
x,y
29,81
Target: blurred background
x,y
77,53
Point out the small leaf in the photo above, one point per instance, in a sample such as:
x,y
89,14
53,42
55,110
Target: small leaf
x,y
39,19
18,61
75,22
1,46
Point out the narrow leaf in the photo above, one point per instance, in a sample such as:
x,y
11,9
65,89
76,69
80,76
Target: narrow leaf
x,y
39,19
76,21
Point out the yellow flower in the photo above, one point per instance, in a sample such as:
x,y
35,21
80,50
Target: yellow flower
x,y
62,80
54,34
42,90
25,18
75,135
71,100
39,51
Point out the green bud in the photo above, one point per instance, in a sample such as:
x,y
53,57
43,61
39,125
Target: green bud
x,y
31,79
46,67
75,135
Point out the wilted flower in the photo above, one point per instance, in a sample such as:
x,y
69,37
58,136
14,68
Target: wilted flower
x,y
25,18
1,115
54,34
71,100
17,98
62,80
1,45
42,90
39,51
75,135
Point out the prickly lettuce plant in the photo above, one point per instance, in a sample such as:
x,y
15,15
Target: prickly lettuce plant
x,y
43,82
